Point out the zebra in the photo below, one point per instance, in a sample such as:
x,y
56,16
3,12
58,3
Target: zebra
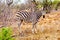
x,y
29,17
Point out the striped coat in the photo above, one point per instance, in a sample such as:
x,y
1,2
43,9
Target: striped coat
x,y
29,17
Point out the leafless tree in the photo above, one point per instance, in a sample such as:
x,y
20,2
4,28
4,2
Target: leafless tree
x,y
6,12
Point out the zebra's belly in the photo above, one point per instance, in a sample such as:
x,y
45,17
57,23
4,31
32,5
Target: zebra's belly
x,y
28,21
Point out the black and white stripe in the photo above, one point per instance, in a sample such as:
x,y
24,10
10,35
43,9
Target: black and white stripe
x,y
23,15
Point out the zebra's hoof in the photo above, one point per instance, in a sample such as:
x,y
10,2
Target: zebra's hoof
x,y
34,31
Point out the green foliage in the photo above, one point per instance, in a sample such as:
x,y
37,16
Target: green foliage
x,y
41,4
38,6
55,2
5,34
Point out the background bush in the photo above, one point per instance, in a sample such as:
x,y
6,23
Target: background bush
x,y
6,34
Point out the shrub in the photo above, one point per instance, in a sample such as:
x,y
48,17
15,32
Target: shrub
x,y
5,34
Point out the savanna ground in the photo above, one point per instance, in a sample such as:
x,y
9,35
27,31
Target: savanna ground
x,y
48,28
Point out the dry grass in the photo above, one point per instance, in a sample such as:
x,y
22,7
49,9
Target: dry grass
x,y
47,28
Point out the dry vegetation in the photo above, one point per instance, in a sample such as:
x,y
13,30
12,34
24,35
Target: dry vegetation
x,y
47,28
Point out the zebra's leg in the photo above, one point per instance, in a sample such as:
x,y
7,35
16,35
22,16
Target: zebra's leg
x,y
34,30
19,26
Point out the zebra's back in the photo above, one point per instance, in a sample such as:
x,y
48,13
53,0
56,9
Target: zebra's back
x,y
24,15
